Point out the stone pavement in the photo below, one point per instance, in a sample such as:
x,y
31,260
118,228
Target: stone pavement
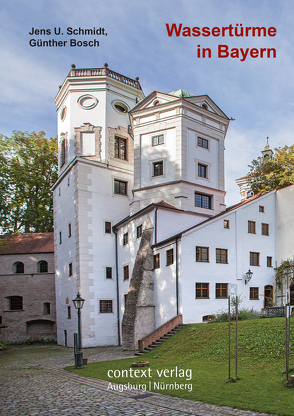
x,y
32,383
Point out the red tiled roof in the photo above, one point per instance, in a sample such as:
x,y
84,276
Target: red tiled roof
x,y
164,204
27,243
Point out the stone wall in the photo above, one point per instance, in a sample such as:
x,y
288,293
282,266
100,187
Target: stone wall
x,y
139,315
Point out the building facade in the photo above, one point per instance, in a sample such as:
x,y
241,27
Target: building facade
x,y
27,301
141,227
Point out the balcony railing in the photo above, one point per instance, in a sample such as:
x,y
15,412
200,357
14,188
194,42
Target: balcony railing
x,y
102,72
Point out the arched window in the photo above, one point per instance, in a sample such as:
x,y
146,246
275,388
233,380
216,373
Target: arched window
x,y
42,266
18,267
15,303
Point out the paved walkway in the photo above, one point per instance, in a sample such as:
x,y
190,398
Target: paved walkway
x,y
33,383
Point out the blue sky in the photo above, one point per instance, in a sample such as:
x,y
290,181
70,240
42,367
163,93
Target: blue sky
x,y
257,93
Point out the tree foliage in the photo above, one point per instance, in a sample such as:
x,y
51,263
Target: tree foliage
x,y
28,169
274,172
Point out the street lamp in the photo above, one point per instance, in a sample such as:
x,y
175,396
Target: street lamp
x,y
248,276
79,303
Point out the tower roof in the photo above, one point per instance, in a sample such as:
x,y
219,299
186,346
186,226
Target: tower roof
x,y
181,93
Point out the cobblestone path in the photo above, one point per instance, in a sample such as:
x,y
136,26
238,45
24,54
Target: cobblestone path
x,y
33,383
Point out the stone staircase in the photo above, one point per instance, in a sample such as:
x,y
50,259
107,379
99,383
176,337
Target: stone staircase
x,y
160,340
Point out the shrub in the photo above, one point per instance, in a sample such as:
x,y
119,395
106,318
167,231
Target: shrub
x,y
243,314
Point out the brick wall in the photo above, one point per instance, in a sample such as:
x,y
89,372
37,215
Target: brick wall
x,y
159,332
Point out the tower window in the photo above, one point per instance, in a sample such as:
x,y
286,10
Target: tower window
x,y
105,306
158,168
156,140
70,269
108,272
226,224
120,148
120,187
107,227
69,230
203,201
202,142
202,170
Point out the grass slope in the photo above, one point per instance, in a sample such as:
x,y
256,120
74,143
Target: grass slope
x,y
201,352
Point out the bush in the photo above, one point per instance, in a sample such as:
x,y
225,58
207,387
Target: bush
x,y
243,314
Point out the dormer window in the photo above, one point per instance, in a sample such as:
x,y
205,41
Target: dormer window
x,y
204,106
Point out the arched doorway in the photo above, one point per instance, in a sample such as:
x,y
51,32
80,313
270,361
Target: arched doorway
x,y
268,296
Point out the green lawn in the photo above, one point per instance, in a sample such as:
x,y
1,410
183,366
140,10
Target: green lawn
x,y
199,353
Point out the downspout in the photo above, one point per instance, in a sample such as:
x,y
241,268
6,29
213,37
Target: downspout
x,y
177,277
155,226
117,289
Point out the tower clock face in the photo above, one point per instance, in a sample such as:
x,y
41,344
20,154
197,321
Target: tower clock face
x,y
63,113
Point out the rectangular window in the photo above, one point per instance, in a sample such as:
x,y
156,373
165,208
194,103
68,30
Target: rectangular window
x,y
125,239
221,290
261,208
105,306
68,312
254,259
202,290
108,271
251,227
139,231
156,140
202,170
120,187
202,142
69,230
120,148
107,227
157,168
222,255
15,303
70,269
203,201
254,293
46,308
269,262
226,224
156,261
60,237
265,229
202,254
126,272
169,257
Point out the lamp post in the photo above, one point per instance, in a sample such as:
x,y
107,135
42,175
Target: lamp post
x,y
248,276
79,303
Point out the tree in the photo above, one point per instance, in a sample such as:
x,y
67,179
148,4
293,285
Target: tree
x,y
275,172
28,169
